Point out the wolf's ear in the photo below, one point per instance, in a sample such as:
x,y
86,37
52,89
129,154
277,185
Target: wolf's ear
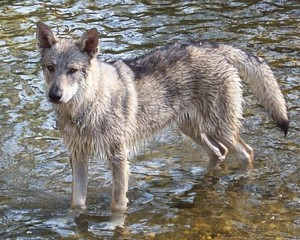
x,y
45,37
89,42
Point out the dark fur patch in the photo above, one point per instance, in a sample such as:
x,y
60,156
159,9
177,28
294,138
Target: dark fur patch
x,y
256,58
151,63
165,56
284,126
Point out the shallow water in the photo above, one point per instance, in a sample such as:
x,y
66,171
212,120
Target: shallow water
x,y
170,196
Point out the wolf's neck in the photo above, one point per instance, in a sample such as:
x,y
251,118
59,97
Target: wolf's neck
x,y
70,110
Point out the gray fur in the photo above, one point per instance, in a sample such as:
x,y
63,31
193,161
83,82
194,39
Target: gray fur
x,y
107,109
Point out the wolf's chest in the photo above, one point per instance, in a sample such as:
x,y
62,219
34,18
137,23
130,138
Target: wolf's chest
x,y
84,139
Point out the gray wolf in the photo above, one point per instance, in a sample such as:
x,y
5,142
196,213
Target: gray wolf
x,y
106,109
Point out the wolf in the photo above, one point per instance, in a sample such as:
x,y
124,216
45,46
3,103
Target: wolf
x,y
105,109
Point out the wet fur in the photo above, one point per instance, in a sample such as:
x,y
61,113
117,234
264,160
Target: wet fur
x,y
107,109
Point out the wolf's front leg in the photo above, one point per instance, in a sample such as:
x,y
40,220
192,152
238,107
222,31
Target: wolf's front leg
x,y
79,165
120,175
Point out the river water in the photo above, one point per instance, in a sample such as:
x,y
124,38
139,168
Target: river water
x,y
170,196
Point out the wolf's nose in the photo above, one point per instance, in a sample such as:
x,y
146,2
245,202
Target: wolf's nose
x,y
55,94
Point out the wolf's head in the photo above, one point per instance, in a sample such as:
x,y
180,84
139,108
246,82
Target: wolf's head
x,y
65,62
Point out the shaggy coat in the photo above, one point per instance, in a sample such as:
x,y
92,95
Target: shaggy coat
x,y
106,109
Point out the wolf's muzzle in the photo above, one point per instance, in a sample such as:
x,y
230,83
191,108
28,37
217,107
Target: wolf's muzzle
x,y
55,94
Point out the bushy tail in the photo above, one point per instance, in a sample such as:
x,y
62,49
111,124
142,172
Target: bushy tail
x,y
257,73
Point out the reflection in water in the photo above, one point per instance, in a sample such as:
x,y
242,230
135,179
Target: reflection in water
x,y
170,195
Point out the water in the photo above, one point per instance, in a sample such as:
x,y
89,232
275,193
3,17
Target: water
x,y
170,196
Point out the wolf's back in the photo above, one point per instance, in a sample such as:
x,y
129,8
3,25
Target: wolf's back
x,y
257,73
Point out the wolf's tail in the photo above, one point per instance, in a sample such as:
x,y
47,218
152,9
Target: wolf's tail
x,y
257,73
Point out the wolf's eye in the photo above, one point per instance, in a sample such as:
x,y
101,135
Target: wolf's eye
x,y
72,70
50,68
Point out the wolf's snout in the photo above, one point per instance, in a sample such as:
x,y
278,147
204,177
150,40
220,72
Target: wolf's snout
x,y
55,94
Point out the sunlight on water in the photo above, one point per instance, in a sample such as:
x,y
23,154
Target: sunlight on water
x,y
171,196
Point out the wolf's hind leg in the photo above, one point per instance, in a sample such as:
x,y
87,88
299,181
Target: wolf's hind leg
x,y
215,150
242,152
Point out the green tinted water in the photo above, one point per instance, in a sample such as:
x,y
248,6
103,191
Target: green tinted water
x,y
170,196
